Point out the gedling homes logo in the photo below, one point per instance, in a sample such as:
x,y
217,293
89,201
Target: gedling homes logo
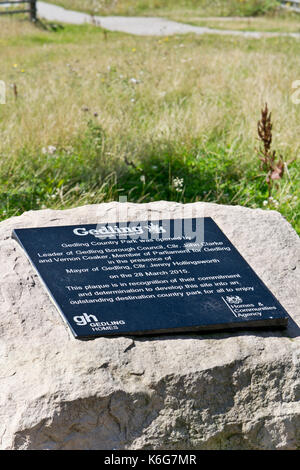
x,y
95,324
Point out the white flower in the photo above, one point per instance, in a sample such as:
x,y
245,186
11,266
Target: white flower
x,y
265,203
178,184
134,81
50,150
143,179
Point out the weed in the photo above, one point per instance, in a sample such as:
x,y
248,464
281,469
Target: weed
x,y
272,164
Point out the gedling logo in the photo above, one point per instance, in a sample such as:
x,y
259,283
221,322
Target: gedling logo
x,y
82,320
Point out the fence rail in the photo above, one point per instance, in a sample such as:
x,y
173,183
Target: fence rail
x,y
31,8
293,5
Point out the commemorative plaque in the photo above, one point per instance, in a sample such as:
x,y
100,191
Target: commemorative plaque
x,y
165,276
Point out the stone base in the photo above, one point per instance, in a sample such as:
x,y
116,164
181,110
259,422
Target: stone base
x,y
236,390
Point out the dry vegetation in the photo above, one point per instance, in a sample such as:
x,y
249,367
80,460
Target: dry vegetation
x,y
173,7
279,22
180,107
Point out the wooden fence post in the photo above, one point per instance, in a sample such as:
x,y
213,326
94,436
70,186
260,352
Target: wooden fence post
x,y
33,10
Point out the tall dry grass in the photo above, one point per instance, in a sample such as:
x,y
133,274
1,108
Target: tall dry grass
x,y
180,107
145,88
170,7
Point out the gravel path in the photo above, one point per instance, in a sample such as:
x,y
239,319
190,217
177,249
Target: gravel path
x,y
142,26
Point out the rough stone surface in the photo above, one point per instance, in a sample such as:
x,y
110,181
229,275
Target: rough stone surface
x,y
214,391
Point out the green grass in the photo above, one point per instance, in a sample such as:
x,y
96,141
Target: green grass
x,y
280,22
190,114
243,15
170,7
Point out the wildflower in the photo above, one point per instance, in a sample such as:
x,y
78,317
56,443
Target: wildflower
x,y
178,184
143,179
50,150
133,49
272,164
271,201
134,81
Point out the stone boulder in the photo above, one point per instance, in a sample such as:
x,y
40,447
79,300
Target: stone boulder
x,y
236,390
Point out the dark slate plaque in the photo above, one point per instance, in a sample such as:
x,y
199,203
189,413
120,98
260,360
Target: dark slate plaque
x,y
149,277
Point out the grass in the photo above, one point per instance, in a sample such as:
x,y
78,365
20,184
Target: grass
x,y
93,116
241,15
280,22
172,7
